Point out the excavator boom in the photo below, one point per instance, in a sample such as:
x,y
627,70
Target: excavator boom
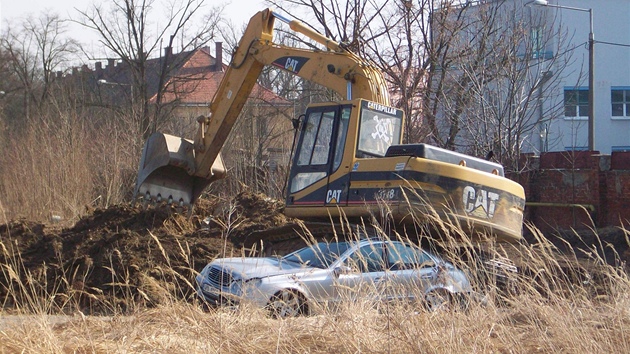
x,y
166,157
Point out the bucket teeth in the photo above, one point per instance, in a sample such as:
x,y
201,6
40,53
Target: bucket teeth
x,y
179,206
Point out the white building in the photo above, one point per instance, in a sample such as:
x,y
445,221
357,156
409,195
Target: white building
x,y
551,113
568,129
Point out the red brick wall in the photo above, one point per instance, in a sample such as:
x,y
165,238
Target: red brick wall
x,y
563,180
617,198
555,194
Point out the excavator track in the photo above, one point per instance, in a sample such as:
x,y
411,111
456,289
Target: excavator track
x,y
290,237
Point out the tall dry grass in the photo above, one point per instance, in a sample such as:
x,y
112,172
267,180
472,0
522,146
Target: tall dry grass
x,y
46,172
528,324
65,160
559,303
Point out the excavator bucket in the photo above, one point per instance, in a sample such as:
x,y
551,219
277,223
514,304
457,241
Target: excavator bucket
x,y
167,171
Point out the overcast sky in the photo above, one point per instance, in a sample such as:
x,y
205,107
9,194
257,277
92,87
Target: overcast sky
x,y
239,11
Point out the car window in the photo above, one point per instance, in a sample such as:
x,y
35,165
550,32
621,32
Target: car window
x,y
402,256
319,255
367,259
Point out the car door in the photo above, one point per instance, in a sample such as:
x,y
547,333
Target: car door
x,y
411,271
362,274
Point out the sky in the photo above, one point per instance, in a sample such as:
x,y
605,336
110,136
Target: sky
x,y
238,11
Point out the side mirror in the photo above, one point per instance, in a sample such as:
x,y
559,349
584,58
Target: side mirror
x,y
298,121
342,270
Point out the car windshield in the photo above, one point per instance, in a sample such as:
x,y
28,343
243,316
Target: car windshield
x,y
320,255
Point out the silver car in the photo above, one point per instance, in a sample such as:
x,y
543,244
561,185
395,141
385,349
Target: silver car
x,y
327,273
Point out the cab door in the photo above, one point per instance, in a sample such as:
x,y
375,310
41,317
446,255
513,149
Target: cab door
x,y
318,156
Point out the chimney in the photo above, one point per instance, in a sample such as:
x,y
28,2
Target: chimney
x,y
218,66
110,65
168,51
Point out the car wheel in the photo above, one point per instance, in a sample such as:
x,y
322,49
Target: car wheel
x,y
438,300
287,303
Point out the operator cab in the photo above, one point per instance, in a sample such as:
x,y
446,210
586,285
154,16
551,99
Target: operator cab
x,y
332,137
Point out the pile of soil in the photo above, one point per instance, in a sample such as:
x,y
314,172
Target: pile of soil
x,y
126,255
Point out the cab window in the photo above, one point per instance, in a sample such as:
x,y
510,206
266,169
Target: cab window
x,y
377,132
341,137
317,136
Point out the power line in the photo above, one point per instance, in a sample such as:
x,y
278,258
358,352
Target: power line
x,y
610,43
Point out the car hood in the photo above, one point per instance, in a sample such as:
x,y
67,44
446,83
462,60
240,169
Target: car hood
x,y
259,267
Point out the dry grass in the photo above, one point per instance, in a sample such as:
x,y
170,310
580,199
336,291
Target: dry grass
x,y
552,311
62,163
526,326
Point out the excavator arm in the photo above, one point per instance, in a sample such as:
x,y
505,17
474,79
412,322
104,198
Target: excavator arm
x,y
179,170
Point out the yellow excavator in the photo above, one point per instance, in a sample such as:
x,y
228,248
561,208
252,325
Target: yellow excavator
x,y
349,159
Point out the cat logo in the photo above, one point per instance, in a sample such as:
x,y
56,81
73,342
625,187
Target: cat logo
x,y
480,203
291,65
333,196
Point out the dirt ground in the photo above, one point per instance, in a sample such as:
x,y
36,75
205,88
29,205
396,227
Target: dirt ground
x,y
125,256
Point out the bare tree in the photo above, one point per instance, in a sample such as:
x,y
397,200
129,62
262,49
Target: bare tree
x,y
35,49
54,48
491,64
132,31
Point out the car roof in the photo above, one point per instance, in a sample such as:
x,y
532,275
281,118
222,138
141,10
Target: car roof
x,y
373,240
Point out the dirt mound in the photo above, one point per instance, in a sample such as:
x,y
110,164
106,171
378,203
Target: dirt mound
x,y
125,254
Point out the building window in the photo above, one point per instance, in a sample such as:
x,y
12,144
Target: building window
x,y
537,45
620,99
537,42
576,103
